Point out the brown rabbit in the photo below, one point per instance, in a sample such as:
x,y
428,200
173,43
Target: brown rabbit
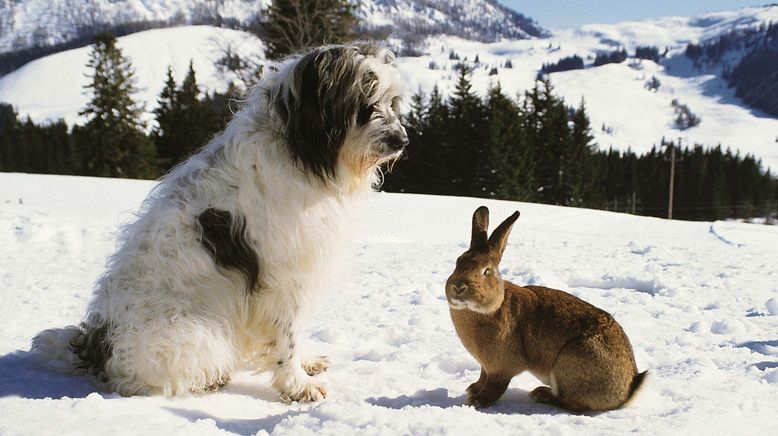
x,y
578,350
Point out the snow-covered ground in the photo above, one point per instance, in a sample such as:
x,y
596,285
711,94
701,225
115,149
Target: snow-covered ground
x,y
615,95
698,300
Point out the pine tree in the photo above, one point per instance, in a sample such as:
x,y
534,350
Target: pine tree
x,y
469,165
506,149
164,112
409,173
549,135
294,25
437,140
183,121
218,109
192,116
8,127
580,180
112,142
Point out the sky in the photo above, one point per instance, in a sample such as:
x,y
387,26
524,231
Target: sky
x,y
572,13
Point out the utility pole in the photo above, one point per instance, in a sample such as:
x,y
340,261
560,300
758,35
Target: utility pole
x,y
672,179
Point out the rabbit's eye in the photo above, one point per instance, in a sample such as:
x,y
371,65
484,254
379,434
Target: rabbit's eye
x,y
487,271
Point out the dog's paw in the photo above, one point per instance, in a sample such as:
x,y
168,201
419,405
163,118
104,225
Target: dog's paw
x,y
308,394
316,365
220,383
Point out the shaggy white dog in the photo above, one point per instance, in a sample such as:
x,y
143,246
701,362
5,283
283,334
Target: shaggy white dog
x,y
231,247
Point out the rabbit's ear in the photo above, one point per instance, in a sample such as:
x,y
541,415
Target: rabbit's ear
x,y
478,239
499,238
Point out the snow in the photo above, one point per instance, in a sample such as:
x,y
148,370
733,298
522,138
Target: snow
x,y
615,94
697,300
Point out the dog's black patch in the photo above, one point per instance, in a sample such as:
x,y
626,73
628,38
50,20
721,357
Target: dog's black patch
x,y
224,238
93,347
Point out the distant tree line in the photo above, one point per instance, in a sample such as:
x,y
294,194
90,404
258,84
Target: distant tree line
x,y
565,64
576,62
710,183
536,149
650,53
612,57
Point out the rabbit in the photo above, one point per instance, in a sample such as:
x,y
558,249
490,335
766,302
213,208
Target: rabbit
x,y
575,348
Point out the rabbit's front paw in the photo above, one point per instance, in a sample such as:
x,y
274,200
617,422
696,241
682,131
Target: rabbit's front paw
x,y
480,401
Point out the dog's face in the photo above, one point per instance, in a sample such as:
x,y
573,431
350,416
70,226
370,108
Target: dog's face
x,y
340,106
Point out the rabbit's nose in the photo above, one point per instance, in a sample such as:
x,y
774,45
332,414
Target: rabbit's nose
x,y
458,290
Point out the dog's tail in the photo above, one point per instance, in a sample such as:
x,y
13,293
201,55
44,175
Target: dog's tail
x,y
78,349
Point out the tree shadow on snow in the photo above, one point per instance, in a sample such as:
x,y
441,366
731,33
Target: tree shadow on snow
x,y
22,376
514,401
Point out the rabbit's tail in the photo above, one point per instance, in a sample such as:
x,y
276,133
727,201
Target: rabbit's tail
x,y
636,384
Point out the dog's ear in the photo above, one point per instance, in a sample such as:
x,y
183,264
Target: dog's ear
x,y
322,102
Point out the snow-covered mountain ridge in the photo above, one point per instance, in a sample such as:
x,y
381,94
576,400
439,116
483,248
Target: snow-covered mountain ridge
x,y
29,23
40,23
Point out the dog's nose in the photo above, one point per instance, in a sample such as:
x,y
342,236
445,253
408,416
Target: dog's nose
x,y
397,141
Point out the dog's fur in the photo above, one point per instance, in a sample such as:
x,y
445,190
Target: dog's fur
x,y
231,247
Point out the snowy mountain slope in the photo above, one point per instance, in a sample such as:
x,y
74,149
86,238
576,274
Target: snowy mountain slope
x,y
698,301
40,23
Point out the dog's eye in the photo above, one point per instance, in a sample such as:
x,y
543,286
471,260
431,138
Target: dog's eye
x,y
364,115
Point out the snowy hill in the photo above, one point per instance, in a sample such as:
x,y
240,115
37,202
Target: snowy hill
x,y
698,301
53,87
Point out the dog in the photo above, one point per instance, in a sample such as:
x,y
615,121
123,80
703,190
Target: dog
x,y
231,249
